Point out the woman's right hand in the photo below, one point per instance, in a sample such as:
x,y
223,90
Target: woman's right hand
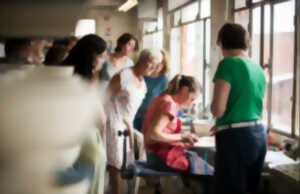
x,y
189,138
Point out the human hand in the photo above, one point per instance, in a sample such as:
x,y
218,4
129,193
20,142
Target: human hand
x,y
189,138
212,131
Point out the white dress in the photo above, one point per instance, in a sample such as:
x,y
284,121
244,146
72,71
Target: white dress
x,y
123,105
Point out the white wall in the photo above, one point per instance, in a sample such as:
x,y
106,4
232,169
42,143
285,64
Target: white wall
x,y
118,22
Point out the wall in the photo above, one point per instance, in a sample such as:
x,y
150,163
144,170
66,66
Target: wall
x,y
118,22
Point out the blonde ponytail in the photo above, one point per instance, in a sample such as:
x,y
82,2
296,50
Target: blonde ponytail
x,y
173,85
180,81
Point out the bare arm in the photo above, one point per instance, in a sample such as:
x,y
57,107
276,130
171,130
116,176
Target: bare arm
x,y
220,97
114,87
156,134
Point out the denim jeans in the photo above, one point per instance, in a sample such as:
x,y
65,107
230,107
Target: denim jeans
x,y
239,159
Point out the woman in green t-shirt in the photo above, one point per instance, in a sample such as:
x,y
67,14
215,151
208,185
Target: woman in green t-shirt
x,y
239,88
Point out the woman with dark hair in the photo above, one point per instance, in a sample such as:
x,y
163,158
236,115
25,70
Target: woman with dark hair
x,y
56,55
87,56
119,60
239,88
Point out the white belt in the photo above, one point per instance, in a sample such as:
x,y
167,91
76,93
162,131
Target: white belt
x,y
238,125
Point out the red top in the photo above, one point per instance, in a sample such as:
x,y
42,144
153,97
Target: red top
x,y
171,153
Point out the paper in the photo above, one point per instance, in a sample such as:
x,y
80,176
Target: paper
x,y
275,158
206,142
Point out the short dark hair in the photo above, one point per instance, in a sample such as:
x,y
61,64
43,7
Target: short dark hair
x,y
124,39
13,45
233,36
83,55
64,41
55,55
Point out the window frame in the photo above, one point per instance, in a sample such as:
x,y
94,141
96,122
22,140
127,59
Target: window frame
x,y
157,29
250,6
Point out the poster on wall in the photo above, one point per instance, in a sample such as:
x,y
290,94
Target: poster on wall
x,y
108,31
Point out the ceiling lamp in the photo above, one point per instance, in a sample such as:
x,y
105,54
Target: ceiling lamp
x,y
128,5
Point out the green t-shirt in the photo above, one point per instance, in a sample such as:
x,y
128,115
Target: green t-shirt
x,y
248,85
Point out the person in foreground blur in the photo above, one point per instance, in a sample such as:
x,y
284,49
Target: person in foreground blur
x,y
126,92
87,57
25,51
56,55
46,116
156,83
161,127
119,59
239,88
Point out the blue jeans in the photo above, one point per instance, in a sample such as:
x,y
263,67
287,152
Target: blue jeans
x,y
239,159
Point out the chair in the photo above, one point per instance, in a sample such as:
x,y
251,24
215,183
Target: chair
x,y
137,169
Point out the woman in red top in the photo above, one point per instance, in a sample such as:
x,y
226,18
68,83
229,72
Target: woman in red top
x,y
161,131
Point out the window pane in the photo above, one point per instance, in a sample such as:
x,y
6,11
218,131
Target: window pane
x,y
160,19
147,41
172,4
192,50
177,16
242,17
190,12
205,8
255,1
153,41
239,3
283,63
149,26
85,26
158,40
255,39
175,52
207,41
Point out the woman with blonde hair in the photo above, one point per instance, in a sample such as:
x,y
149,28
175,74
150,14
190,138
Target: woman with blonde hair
x,y
156,83
161,127
126,92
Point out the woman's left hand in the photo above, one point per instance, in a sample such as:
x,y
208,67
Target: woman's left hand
x,y
189,138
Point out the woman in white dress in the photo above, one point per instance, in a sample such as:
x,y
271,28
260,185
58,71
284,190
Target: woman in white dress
x,y
126,92
119,59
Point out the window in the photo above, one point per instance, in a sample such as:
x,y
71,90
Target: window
x,y
273,47
177,18
283,65
160,19
239,4
149,26
153,35
85,26
175,54
192,50
205,8
190,12
172,4
190,44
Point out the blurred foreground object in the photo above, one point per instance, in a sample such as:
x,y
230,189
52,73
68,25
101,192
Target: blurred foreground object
x,y
45,117
47,18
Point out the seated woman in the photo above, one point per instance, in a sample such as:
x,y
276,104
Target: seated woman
x,y
161,132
